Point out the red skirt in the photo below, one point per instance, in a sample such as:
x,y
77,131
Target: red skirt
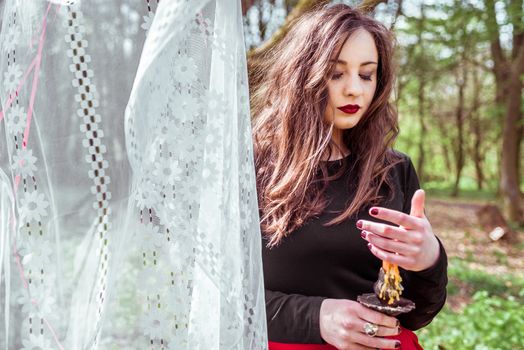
x,y
408,340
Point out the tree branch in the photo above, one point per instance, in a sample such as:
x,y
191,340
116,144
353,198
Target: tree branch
x,y
478,64
369,5
246,5
493,29
516,18
398,12
518,35
302,7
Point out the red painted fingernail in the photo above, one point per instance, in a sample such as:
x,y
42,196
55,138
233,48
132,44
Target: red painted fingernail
x,y
363,234
359,224
374,211
369,246
397,345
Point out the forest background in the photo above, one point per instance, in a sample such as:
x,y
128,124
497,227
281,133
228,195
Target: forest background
x,y
460,67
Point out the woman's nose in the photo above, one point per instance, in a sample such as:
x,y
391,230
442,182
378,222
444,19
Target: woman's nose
x,y
353,86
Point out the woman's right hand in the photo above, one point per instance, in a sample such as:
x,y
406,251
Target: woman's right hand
x,y
342,325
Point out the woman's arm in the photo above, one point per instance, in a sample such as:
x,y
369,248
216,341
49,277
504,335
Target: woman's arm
x,y
293,318
299,319
427,289
413,247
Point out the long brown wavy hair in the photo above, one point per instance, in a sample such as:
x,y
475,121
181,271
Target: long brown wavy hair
x,y
290,133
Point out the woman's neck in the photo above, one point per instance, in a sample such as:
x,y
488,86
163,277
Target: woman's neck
x,y
337,146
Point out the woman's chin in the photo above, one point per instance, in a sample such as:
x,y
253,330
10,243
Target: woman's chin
x,y
347,121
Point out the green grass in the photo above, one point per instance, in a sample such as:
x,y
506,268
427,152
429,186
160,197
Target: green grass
x,y
488,323
440,191
495,285
494,320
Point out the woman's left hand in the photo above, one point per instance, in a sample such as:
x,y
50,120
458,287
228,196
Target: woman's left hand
x,y
412,245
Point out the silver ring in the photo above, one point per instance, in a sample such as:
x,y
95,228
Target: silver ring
x,y
370,329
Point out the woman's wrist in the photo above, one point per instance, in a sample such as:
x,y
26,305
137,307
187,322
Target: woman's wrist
x,y
437,265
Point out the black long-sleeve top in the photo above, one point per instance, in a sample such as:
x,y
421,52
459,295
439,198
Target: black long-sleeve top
x,y
316,262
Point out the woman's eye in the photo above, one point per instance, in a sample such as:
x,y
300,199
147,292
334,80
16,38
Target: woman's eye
x,y
366,77
336,76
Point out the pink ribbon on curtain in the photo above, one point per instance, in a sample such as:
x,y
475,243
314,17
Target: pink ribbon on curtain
x,y
35,65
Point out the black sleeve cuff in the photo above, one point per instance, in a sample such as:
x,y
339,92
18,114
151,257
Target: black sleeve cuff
x,y
439,269
315,320
427,289
293,318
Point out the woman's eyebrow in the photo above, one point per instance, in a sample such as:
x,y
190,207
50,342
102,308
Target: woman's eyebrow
x,y
345,63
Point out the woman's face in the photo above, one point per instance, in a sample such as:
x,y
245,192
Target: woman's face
x,y
352,85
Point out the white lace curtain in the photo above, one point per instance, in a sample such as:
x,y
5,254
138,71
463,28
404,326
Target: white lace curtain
x,y
128,212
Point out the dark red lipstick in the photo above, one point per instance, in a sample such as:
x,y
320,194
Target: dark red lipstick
x,y
350,109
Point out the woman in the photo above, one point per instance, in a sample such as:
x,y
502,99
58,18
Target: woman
x,y
332,192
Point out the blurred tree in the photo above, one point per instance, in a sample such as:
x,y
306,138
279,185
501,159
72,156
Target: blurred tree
x,y
422,79
476,130
420,71
462,73
441,47
508,69
462,43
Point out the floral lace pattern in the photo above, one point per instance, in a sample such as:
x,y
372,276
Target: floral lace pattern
x,y
197,147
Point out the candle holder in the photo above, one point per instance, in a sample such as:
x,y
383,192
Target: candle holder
x,y
387,291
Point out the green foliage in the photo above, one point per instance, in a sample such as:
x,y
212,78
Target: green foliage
x,y
444,46
493,320
488,323
436,189
502,286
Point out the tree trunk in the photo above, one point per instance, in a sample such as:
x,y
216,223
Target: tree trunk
x,y
444,141
491,219
477,130
290,4
507,73
459,120
423,128
447,158
509,181
421,96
